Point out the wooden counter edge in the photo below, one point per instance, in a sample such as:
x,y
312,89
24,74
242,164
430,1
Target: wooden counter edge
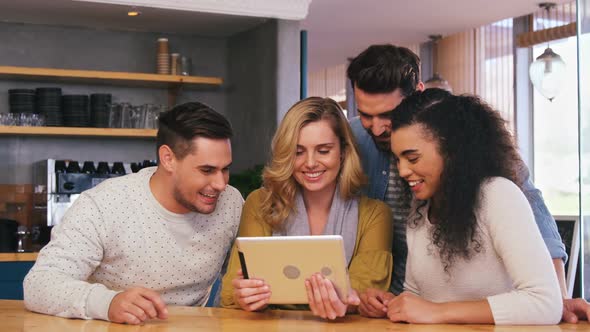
x,y
18,257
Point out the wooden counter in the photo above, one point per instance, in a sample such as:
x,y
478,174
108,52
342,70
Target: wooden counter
x,y
18,257
13,318
78,131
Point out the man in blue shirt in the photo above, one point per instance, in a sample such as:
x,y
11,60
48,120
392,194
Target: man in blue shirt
x,y
382,76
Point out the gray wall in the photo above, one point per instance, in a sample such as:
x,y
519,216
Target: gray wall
x,y
18,153
79,48
260,69
288,66
426,61
264,83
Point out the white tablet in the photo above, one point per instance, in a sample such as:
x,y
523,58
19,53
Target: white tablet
x,y
284,262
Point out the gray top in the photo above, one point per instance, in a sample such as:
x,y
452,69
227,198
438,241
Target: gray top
x,y
117,236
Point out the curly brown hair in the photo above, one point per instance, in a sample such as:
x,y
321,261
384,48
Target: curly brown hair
x,y
475,145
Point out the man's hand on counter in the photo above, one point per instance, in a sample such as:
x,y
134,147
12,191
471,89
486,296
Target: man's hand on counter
x,y
136,305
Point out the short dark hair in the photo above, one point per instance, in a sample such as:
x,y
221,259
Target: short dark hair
x,y
385,68
185,122
475,145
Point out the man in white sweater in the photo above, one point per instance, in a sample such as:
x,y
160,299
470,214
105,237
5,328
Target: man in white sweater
x,y
133,244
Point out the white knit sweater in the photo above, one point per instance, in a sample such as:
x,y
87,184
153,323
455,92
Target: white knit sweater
x,y
117,236
513,271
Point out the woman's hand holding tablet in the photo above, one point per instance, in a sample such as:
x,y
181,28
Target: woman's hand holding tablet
x,y
323,298
251,294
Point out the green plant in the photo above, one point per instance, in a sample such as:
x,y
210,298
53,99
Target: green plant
x,y
248,180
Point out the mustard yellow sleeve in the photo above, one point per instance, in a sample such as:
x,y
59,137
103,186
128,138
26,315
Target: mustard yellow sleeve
x,y
372,263
250,225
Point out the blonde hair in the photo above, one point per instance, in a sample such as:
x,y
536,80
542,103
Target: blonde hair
x,y
278,180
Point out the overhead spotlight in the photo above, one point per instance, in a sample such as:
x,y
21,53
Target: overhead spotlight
x,y
133,12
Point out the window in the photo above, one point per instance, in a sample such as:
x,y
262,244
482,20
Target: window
x,y
495,67
556,136
584,109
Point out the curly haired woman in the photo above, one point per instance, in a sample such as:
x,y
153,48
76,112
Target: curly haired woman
x,y
475,254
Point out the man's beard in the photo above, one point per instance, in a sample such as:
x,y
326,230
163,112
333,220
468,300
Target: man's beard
x,y
179,197
381,145
184,202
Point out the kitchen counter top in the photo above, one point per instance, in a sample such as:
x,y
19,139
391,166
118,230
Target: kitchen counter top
x,y
15,317
18,256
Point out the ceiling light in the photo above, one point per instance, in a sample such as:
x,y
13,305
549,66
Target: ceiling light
x,y
133,12
547,72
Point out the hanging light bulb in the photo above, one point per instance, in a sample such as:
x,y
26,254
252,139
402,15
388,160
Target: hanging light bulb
x,y
547,73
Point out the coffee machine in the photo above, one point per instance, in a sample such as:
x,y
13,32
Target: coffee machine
x,y
58,183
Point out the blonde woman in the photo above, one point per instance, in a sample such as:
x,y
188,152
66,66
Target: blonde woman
x,y
311,186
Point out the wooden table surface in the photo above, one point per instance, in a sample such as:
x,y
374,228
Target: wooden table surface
x,y
14,317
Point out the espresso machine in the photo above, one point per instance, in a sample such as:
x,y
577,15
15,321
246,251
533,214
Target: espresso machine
x,y
58,183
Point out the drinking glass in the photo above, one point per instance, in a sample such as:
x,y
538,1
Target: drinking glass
x,y
132,116
151,115
37,120
115,117
25,119
7,119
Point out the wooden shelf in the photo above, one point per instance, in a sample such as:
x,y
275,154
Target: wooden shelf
x,y
18,257
77,131
110,77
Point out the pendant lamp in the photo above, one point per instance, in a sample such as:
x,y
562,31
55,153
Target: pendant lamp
x,y
547,72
